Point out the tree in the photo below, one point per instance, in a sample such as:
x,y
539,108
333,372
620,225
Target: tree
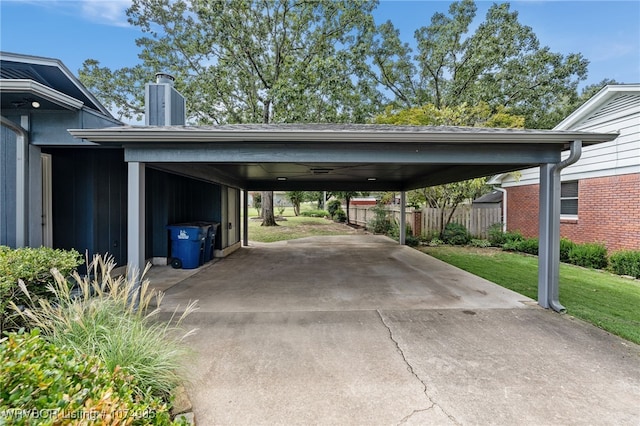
x,y
347,196
249,61
450,196
296,197
500,63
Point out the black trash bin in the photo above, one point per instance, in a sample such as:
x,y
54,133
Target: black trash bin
x,y
187,245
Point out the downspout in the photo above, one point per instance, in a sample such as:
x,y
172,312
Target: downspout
x,y
504,207
22,155
574,156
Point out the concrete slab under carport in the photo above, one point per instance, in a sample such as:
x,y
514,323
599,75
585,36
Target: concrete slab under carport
x,y
371,332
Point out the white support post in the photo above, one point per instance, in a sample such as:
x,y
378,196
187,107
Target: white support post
x,y
136,216
245,218
403,218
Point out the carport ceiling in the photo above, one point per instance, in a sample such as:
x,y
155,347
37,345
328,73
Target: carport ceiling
x,y
335,156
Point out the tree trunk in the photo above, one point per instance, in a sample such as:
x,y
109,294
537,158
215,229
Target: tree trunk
x,y
347,199
268,219
296,209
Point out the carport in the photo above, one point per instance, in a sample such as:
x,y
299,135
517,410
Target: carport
x,y
348,157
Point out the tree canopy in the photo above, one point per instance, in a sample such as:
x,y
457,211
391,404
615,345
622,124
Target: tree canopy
x,y
500,63
248,61
450,196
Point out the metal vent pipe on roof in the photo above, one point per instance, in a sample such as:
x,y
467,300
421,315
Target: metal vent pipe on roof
x,y
166,78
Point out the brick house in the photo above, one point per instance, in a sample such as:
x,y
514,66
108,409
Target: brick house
x,y
600,194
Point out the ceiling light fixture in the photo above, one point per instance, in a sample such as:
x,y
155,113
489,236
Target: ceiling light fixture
x,y
372,179
282,178
35,104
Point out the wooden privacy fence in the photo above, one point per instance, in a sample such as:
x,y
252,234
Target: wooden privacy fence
x,y
427,221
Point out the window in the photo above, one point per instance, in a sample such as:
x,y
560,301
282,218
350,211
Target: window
x,y
569,199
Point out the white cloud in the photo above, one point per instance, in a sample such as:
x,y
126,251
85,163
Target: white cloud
x,y
109,12
105,12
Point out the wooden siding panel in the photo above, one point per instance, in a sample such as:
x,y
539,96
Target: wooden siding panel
x,y
7,187
176,199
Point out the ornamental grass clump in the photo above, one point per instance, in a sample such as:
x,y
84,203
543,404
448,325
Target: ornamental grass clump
x,y
115,319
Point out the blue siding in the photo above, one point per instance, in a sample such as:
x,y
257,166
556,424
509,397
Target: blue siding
x,y
90,201
175,199
7,187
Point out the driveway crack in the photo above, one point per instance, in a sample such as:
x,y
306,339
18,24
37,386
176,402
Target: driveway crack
x,y
411,370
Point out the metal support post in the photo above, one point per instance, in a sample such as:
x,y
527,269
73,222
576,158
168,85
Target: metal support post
x,y
403,218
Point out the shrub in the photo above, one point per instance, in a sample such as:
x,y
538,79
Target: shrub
x,y
339,216
314,213
32,266
480,243
625,262
51,382
380,224
565,247
589,255
497,238
455,234
435,242
528,245
412,241
333,206
496,235
110,319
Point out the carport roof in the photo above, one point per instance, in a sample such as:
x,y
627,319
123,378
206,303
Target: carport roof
x,y
337,156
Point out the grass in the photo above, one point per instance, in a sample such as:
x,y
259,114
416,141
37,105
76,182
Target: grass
x,y
605,300
296,227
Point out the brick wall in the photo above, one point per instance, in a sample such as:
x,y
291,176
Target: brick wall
x,y
608,212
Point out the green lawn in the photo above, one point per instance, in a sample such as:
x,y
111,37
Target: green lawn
x,y
296,227
605,300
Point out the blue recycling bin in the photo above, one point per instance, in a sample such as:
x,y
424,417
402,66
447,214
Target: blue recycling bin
x,y
187,245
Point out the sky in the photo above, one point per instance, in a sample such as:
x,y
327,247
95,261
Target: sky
x,y
607,33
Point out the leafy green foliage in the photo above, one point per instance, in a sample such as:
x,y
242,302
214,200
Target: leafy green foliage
x,y
315,213
566,246
333,206
111,319
456,234
589,255
36,374
501,63
339,216
480,243
380,223
296,198
32,266
498,238
528,245
257,202
625,262
478,115
248,61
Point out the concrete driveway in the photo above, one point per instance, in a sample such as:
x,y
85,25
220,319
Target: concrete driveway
x,y
359,330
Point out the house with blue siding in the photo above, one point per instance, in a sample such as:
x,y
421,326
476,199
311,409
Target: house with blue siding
x,y
65,192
